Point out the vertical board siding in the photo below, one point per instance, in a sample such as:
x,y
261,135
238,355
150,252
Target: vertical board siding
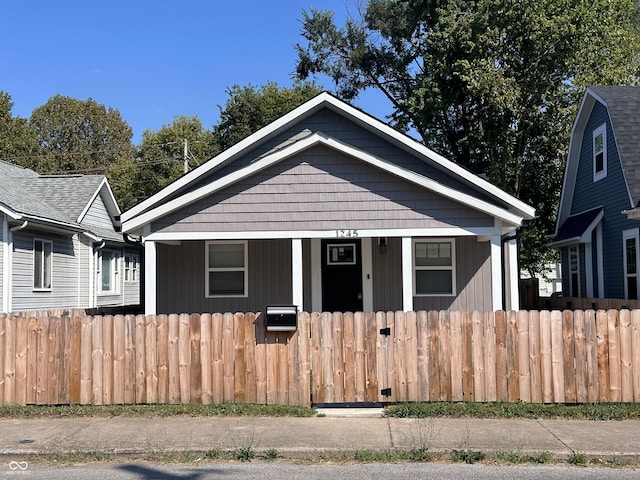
x,y
539,357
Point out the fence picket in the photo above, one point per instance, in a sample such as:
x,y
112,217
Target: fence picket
x,y
568,353
546,362
626,357
534,356
580,356
372,387
151,358
603,356
455,320
444,355
524,366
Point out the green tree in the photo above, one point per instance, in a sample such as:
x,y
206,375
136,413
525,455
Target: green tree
x,y
161,156
491,84
17,139
80,136
249,108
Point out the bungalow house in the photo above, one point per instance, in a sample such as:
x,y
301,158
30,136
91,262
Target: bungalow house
x,y
328,209
598,218
60,246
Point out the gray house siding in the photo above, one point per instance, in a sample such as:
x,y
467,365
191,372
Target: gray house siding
x,y
343,129
473,280
97,215
324,190
611,193
64,276
387,275
181,278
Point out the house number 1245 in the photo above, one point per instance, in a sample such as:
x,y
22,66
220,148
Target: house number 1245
x,y
346,233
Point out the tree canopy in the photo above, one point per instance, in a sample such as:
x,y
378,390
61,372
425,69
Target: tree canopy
x,y
491,84
17,139
250,108
79,135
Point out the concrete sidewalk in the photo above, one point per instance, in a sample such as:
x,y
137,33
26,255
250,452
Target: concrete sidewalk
x,y
306,436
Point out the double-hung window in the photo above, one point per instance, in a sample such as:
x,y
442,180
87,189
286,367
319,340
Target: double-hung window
x,y
109,271
599,153
131,273
42,257
434,267
630,238
574,271
226,269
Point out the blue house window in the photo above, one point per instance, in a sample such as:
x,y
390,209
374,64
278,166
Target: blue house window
x,y
600,153
630,264
574,271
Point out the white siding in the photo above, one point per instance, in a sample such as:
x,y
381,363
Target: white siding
x,y
64,273
97,215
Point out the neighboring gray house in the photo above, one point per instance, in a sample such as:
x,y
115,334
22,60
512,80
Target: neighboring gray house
x,y
328,209
598,219
60,246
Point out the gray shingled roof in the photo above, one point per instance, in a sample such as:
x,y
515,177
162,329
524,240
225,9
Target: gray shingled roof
x,y
623,104
56,198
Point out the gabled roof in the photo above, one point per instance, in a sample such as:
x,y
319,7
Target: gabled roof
x,y
169,199
623,107
54,200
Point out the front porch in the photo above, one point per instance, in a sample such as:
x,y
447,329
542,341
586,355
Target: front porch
x,y
344,270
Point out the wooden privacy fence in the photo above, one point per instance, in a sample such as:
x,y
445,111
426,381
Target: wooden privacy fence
x,y
543,357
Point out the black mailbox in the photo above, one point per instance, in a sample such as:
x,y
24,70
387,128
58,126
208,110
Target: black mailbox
x,y
282,318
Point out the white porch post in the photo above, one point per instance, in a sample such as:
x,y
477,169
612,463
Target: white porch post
x,y
6,266
407,275
296,273
514,284
496,273
149,277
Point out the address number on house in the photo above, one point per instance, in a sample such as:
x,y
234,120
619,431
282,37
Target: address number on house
x,y
346,233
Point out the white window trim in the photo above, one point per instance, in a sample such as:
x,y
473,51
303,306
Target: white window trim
x,y
114,265
626,235
330,262
245,269
601,130
131,271
575,248
452,267
33,278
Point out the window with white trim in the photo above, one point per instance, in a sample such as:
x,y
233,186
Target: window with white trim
x,y
108,271
227,274
42,263
434,267
630,248
131,268
600,153
574,271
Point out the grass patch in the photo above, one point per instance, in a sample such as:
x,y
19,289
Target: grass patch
x,y
577,458
513,457
467,456
600,411
156,410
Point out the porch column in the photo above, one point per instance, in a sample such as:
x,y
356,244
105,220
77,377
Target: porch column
x,y
149,277
407,275
513,289
296,273
6,266
496,273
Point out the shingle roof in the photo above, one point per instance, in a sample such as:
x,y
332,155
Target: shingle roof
x,y
623,104
577,225
56,198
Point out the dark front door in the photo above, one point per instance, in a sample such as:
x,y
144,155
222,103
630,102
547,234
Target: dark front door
x,y
341,276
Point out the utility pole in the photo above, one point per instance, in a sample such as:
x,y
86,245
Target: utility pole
x,y
185,156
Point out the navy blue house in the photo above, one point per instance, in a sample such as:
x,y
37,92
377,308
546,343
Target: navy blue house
x,y
597,230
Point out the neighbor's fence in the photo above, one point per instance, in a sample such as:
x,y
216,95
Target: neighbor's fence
x,y
547,356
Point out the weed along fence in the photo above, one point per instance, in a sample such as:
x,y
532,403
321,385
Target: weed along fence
x,y
544,357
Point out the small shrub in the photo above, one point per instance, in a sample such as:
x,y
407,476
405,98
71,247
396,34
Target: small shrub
x,y
542,457
577,458
467,456
244,454
509,456
270,454
421,454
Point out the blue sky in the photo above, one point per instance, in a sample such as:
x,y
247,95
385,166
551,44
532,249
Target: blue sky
x,y
152,60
